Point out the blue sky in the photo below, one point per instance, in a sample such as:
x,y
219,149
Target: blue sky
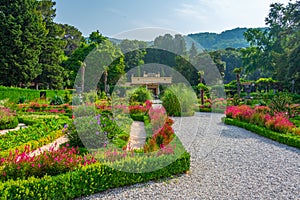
x,y
111,17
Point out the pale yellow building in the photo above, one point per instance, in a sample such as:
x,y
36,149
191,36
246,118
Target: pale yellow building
x,y
151,81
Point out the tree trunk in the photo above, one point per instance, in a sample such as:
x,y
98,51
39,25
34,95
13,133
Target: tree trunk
x,y
238,85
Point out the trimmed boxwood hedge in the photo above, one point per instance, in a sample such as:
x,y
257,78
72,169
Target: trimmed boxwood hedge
x,y
14,94
284,138
138,117
85,181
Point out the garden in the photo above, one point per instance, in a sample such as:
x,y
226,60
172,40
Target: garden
x,y
97,155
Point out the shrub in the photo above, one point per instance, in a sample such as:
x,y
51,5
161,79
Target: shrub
x,y
281,103
56,100
8,119
179,100
279,122
140,94
260,116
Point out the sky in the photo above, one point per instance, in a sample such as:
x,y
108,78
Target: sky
x,y
121,18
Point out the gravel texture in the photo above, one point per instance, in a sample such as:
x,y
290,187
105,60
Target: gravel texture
x,y
227,162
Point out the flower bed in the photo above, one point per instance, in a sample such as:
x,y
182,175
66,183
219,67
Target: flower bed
x,y
263,121
8,119
262,116
85,181
33,133
287,138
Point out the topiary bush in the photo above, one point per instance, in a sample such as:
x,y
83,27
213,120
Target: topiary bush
x,y
140,94
179,100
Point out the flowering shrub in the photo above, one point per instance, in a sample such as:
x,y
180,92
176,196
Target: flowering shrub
x,y
219,104
279,122
137,109
262,116
8,119
148,104
158,117
52,162
163,132
262,109
243,112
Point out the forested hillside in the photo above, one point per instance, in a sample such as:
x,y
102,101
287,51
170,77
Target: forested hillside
x,y
230,38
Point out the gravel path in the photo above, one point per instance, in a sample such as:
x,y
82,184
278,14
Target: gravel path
x,y
226,163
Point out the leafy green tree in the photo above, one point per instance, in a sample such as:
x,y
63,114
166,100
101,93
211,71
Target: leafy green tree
x,y
233,59
21,41
74,62
52,75
96,37
134,52
272,51
73,37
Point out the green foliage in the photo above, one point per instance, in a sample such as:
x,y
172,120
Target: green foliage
x,y
212,41
140,94
22,100
90,97
8,119
281,103
35,132
137,116
287,138
274,51
179,100
14,94
56,100
87,180
34,144
22,28
31,119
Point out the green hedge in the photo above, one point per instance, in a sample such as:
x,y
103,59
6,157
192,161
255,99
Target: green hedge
x,y
35,118
138,117
85,181
288,139
14,94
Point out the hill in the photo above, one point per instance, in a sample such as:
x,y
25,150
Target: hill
x,y
230,38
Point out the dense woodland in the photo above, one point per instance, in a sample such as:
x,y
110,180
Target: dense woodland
x,y
39,53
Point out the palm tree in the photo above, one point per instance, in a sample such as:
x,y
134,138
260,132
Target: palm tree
x,y
201,85
238,72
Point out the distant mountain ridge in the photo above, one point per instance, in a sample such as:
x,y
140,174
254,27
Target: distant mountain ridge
x,y
227,39
213,41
